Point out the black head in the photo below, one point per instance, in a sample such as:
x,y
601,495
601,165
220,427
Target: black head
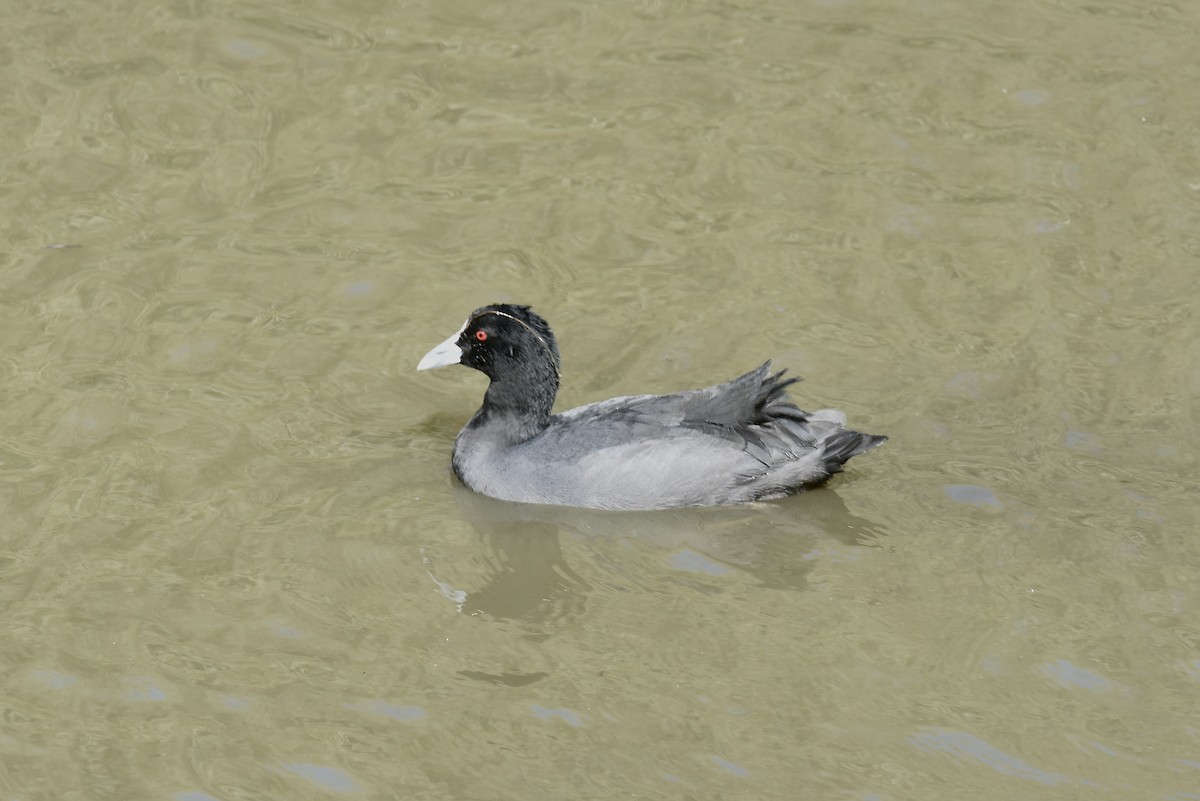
x,y
512,346
503,338
505,342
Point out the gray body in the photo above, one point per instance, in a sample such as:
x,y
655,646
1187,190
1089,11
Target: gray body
x,y
733,443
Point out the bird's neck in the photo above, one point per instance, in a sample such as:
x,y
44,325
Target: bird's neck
x,y
517,407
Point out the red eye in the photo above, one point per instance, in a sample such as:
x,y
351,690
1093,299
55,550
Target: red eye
x,y
481,335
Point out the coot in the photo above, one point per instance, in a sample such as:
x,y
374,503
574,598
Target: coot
x,y
732,443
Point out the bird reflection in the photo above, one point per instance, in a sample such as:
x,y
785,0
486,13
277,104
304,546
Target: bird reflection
x,y
530,579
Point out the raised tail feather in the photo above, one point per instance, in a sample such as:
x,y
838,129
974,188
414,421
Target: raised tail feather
x,y
844,443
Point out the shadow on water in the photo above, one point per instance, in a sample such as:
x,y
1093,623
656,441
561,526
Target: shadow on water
x,y
777,543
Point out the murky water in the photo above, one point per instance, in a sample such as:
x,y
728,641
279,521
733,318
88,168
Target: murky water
x,y
233,562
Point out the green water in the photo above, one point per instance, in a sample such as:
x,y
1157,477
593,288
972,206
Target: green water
x,y
233,561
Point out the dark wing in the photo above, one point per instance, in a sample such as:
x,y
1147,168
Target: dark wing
x,y
751,411
751,398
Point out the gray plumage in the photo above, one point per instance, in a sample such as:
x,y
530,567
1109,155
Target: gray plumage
x,y
732,443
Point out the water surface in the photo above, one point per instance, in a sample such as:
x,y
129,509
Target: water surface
x,y
233,562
